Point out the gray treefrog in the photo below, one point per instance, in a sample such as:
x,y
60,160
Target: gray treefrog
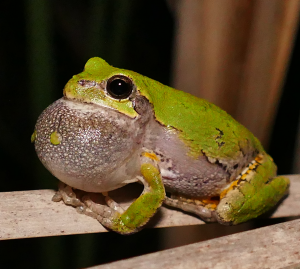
x,y
114,126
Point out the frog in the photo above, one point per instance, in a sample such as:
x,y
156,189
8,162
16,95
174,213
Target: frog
x,y
113,127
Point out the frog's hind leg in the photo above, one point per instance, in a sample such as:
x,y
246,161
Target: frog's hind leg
x,y
256,190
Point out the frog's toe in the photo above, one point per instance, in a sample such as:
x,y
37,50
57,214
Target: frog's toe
x,y
113,204
206,214
67,194
97,209
105,214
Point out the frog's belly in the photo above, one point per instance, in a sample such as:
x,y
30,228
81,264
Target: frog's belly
x,y
183,174
200,179
187,175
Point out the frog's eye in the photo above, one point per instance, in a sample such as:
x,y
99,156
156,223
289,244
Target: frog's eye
x,y
119,87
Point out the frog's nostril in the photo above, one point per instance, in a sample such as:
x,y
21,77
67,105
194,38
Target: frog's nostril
x,y
87,83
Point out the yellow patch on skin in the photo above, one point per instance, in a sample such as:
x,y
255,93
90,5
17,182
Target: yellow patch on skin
x,y
33,136
151,156
55,138
206,202
244,175
211,204
232,185
259,158
252,166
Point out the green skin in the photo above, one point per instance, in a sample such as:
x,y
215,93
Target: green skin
x,y
196,138
251,196
140,211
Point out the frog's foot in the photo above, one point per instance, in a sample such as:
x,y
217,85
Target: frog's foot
x,y
206,211
68,196
105,214
85,205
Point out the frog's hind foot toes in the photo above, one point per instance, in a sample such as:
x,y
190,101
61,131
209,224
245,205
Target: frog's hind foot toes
x,y
206,214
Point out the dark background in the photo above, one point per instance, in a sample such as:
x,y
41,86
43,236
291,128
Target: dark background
x,y
44,43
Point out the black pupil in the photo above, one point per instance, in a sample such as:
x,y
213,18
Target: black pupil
x,y
119,88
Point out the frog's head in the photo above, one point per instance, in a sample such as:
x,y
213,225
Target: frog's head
x,y
96,130
104,85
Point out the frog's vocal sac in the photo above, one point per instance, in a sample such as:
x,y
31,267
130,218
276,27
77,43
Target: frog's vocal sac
x,y
114,126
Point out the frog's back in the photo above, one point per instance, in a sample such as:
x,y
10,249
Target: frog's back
x,y
205,128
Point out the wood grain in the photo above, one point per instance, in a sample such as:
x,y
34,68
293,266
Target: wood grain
x,y
27,214
275,246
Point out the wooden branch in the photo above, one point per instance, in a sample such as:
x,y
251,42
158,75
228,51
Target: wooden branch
x,y
27,214
275,246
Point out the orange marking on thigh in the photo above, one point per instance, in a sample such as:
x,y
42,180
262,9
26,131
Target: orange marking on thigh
x,y
151,156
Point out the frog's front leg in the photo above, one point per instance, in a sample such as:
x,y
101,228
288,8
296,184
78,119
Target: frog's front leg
x,y
141,210
113,216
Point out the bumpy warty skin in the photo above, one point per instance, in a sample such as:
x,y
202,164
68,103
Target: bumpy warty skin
x,y
100,148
